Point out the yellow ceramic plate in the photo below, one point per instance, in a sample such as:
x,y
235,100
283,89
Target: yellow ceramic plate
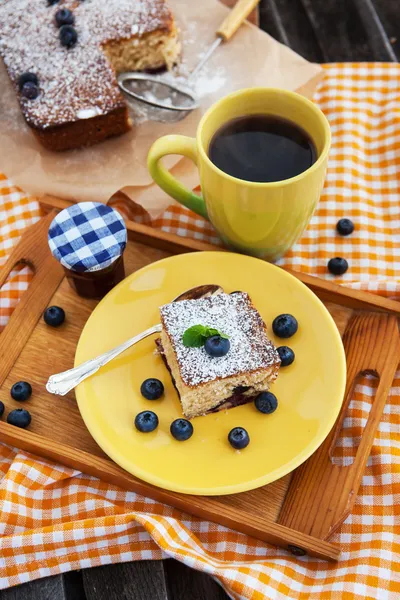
x,y
310,391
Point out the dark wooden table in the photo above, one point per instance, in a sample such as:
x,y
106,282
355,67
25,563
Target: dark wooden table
x,y
321,31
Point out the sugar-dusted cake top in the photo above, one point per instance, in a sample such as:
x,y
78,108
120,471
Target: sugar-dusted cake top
x,y
232,314
78,82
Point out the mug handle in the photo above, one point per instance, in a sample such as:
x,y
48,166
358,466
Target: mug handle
x,y
175,144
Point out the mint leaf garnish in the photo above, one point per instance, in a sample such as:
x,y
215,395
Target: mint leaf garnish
x,y
210,332
196,336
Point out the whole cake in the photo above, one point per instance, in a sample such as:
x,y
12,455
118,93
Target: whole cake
x,y
206,383
63,57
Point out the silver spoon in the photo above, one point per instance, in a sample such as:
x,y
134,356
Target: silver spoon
x,y
168,96
64,382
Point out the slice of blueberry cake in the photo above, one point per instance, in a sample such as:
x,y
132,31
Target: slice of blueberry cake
x,y
63,56
217,351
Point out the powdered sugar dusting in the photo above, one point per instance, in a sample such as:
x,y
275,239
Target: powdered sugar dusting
x,y
233,315
208,81
79,78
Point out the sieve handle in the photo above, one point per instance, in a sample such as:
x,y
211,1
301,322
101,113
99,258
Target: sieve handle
x,y
235,18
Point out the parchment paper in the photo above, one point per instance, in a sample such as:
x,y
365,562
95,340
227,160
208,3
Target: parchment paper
x,y
251,58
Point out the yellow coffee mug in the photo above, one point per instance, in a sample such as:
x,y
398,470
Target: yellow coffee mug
x,y
261,219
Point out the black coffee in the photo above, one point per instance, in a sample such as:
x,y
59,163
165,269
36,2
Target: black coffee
x,y
262,148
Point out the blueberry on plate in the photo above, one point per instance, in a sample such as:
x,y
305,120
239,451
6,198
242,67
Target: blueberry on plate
x,y
22,390
284,326
1,408
30,90
338,265
19,417
146,421
286,355
68,36
64,17
217,346
54,316
25,77
51,2
181,429
266,403
152,389
344,227
238,438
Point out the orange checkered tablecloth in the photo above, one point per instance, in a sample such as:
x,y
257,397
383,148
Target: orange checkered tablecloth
x,y
54,519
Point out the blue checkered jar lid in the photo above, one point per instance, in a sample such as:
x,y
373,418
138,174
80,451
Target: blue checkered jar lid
x,y
88,236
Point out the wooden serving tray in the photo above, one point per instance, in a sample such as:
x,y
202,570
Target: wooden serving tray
x,y
300,511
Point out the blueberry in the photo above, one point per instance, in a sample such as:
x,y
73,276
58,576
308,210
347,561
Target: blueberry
x,y
181,429
217,346
54,316
238,438
22,390
19,417
266,402
68,36
345,226
284,326
286,355
1,408
146,421
25,77
152,389
338,265
64,17
30,90
51,2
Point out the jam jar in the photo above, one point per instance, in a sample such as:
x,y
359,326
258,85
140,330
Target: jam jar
x,y
89,239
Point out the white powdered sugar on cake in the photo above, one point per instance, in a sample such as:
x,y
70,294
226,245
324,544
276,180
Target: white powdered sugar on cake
x,y
231,314
78,80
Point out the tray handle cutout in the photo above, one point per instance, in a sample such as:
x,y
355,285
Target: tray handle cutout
x,y
350,427
32,250
17,278
15,263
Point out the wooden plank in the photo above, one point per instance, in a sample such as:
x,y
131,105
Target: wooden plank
x,y
348,30
50,588
389,15
374,28
270,22
287,22
73,586
141,580
184,583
